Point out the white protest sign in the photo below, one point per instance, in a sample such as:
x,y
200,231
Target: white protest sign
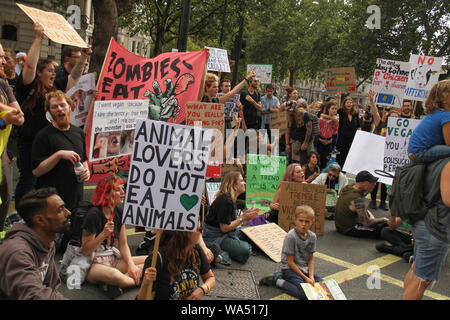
x,y
389,82
113,127
366,153
424,74
218,60
167,175
211,190
81,95
263,72
398,133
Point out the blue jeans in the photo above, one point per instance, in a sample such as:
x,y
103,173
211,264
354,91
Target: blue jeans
x,y
26,180
433,154
293,281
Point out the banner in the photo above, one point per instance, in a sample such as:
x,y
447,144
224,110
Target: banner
x,y
81,95
218,60
424,74
264,174
113,127
167,176
56,27
167,81
269,238
340,80
398,133
294,194
389,82
263,72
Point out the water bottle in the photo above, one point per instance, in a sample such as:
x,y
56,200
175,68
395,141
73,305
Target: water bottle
x,y
336,187
79,170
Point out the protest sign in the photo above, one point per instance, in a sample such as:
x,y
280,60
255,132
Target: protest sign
x,y
210,115
424,74
398,133
279,120
218,60
324,290
56,27
167,175
340,79
366,153
264,174
389,82
230,106
211,190
263,72
269,238
294,194
113,127
168,81
81,95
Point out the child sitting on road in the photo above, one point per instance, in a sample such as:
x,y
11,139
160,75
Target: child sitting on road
x,y
297,256
430,140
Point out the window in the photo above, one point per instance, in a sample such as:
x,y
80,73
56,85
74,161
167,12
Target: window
x,y
9,32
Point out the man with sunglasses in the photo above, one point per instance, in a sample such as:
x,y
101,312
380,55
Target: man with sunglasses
x,y
333,179
352,217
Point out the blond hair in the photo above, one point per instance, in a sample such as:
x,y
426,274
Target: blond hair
x,y
306,210
210,78
437,95
226,187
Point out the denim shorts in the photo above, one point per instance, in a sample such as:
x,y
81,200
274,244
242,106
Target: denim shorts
x,y
429,253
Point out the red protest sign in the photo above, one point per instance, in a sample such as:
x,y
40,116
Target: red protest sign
x,y
168,81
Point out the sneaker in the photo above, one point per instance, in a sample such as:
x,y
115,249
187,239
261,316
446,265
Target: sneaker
x,y
383,206
111,291
335,151
218,259
270,280
373,204
408,256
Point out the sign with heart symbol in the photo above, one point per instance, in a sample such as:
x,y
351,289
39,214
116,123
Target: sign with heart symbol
x,y
188,202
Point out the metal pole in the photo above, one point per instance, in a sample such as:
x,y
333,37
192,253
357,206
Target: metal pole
x,y
222,32
184,26
238,49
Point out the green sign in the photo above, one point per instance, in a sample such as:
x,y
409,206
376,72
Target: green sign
x,y
264,174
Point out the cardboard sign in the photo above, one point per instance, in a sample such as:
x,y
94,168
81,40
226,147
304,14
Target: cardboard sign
x,y
264,174
218,60
424,74
366,153
167,176
325,290
168,81
340,80
389,82
398,133
269,238
81,95
113,127
56,27
294,194
211,190
279,120
263,72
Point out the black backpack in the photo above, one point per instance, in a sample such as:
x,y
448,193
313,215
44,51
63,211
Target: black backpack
x,y
77,219
407,195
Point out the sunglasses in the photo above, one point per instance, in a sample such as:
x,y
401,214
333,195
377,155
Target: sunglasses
x,y
332,175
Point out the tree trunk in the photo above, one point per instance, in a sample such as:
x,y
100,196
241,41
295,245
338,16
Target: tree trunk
x,y
291,77
105,26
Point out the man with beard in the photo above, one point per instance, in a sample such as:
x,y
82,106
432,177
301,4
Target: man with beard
x,y
251,101
57,148
27,266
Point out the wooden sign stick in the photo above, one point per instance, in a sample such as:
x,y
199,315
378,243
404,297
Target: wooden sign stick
x,y
154,259
111,198
414,108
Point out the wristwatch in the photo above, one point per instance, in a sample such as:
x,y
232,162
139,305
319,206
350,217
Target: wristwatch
x,y
2,124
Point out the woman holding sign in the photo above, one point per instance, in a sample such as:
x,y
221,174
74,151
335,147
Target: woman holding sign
x,y
293,173
105,236
212,88
180,264
223,222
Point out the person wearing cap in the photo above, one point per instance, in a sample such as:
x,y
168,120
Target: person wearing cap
x,y
113,267
351,215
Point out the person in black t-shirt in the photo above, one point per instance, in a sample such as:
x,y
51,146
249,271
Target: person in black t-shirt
x,y
251,101
57,148
180,264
